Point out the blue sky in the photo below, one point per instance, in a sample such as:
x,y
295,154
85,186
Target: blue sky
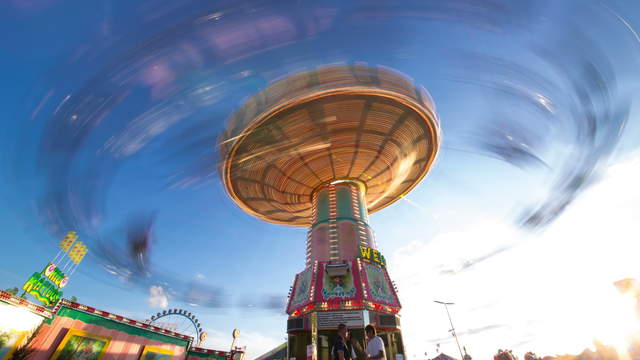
x,y
187,67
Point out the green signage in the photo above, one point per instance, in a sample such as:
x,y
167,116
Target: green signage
x,y
372,255
42,289
55,275
45,285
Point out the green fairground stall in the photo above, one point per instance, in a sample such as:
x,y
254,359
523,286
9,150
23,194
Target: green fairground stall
x,y
73,331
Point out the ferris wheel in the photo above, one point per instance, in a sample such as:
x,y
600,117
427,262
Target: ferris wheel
x,y
180,321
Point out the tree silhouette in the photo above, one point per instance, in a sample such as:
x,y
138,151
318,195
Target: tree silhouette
x,y
13,291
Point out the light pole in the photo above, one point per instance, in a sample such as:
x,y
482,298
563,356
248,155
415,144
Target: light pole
x,y
453,330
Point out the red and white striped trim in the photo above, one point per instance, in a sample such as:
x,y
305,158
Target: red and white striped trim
x,y
121,319
25,304
209,351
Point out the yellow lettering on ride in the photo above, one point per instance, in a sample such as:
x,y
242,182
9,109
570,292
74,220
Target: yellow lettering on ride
x,y
372,255
365,252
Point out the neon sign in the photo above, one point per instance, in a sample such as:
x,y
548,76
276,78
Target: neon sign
x,y
53,273
372,255
46,285
42,289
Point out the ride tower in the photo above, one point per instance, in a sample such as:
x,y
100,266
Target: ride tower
x,y
324,149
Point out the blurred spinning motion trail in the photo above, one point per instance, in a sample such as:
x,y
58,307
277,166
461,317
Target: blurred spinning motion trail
x,y
128,122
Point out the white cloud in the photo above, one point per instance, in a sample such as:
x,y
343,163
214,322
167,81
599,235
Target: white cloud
x,y
157,297
549,293
200,276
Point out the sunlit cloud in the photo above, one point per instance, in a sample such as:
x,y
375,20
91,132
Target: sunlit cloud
x,y
554,290
157,297
200,276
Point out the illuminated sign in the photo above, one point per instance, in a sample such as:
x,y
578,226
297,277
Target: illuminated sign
x,y
77,252
65,244
42,289
45,285
372,255
53,273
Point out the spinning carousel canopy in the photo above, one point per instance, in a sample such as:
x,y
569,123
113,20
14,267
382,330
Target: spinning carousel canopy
x,y
325,125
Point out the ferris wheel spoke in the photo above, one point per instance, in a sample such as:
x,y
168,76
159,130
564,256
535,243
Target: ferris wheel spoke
x,y
180,322
185,324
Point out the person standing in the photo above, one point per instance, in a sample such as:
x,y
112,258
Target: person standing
x,y
375,345
341,349
357,349
357,353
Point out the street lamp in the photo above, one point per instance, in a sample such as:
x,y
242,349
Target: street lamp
x,y
453,330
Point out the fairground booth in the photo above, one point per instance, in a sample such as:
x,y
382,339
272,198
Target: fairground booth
x,y
365,296
75,331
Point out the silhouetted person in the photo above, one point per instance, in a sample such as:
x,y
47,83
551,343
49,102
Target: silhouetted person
x,y
375,345
341,349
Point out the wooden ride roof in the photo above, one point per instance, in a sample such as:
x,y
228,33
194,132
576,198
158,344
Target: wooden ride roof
x,y
331,123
